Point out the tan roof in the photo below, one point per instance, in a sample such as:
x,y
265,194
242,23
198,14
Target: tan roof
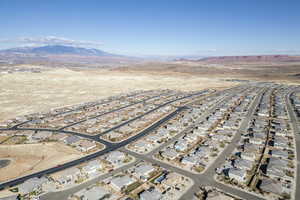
x,y
86,143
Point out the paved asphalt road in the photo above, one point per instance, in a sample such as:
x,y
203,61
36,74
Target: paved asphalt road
x,y
108,149
80,108
199,179
186,130
65,193
150,111
114,110
96,137
207,178
109,146
295,125
61,195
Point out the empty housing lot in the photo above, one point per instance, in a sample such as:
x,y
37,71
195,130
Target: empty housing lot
x,y
60,87
238,143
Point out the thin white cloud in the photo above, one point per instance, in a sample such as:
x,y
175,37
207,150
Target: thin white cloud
x,y
207,51
51,40
285,51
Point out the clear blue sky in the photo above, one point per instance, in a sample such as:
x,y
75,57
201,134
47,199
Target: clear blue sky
x,y
150,27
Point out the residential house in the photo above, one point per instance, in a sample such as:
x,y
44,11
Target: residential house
x,y
92,130
86,145
141,145
67,176
152,194
120,183
280,153
276,167
204,126
248,156
125,129
170,153
115,157
229,124
218,137
92,168
202,152
253,148
243,164
190,160
274,186
72,140
216,195
255,140
200,132
172,127
41,135
144,171
162,132
115,134
238,174
171,180
281,142
181,145
31,185
153,138
94,193
191,138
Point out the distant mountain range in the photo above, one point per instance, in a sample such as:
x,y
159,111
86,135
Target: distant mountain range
x,y
60,53
80,55
57,50
235,59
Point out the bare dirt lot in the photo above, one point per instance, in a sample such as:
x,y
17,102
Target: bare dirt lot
x,y
30,158
283,72
24,93
3,138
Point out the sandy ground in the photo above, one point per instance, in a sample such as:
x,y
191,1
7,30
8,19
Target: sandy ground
x,y
30,158
3,138
24,93
6,193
